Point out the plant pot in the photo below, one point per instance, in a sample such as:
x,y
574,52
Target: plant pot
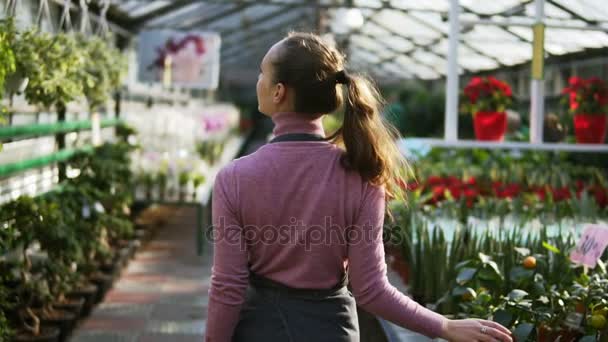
x,y
104,284
74,305
590,129
16,83
490,126
89,293
47,334
64,320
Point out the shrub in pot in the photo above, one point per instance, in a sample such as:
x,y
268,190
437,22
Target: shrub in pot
x,y
487,99
588,103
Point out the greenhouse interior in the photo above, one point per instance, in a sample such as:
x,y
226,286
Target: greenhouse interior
x,y
134,128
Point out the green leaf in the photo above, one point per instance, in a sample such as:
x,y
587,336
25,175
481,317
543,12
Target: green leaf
x,y
463,264
517,295
465,275
484,258
551,247
504,318
519,273
488,274
523,331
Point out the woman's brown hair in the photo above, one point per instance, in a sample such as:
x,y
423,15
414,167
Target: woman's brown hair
x,y
315,70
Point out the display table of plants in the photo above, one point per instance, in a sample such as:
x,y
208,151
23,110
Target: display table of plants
x,y
519,271
60,252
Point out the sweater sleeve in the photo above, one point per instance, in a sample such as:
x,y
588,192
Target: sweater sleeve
x,y
230,273
367,272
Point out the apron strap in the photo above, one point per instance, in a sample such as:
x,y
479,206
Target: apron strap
x,y
297,137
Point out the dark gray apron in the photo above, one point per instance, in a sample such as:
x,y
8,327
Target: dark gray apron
x,y
275,312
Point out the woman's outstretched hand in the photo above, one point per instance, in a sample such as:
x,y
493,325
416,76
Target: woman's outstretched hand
x,y
473,330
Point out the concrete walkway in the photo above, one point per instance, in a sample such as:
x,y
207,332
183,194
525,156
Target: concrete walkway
x,y
161,295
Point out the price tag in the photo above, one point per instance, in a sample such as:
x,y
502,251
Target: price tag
x,y
591,246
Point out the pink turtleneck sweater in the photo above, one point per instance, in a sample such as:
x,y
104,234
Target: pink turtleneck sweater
x,y
287,210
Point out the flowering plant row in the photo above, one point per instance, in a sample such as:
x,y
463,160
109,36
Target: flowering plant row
x,y
450,187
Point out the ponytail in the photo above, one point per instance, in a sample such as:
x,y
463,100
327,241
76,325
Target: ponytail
x,y
315,70
370,140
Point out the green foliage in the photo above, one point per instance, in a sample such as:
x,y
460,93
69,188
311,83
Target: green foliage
x,y
104,68
6,305
210,150
53,64
7,57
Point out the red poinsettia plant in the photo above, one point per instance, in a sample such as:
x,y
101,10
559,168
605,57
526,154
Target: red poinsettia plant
x,y
587,96
487,94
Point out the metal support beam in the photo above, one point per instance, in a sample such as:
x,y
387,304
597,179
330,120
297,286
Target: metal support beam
x,y
258,21
451,102
537,89
201,22
176,5
118,29
527,22
306,3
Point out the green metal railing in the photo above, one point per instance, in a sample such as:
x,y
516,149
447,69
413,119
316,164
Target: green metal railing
x,y
26,131
24,165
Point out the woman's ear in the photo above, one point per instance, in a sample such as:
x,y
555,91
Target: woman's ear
x,y
279,94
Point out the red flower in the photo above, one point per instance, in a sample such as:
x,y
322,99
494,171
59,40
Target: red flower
x,y
455,191
434,180
560,194
413,186
601,196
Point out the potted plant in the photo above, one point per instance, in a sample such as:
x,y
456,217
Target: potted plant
x,y
197,180
588,102
30,287
487,99
184,178
104,68
53,65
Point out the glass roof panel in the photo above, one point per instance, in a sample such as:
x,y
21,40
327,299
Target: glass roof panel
x,y
147,8
369,3
489,7
398,43
590,9
436,5
403,25
418,29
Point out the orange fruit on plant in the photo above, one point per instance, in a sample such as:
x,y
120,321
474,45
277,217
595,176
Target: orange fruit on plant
x,y
530,263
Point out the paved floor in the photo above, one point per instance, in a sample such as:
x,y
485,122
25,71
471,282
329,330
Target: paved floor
x,y
162,294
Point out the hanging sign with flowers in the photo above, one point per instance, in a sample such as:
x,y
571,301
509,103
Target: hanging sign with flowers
x,y
487,98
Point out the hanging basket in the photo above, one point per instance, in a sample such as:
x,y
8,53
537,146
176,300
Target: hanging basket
x,y
490,126
590,129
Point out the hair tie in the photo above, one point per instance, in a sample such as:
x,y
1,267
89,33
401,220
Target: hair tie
x,y
342,77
